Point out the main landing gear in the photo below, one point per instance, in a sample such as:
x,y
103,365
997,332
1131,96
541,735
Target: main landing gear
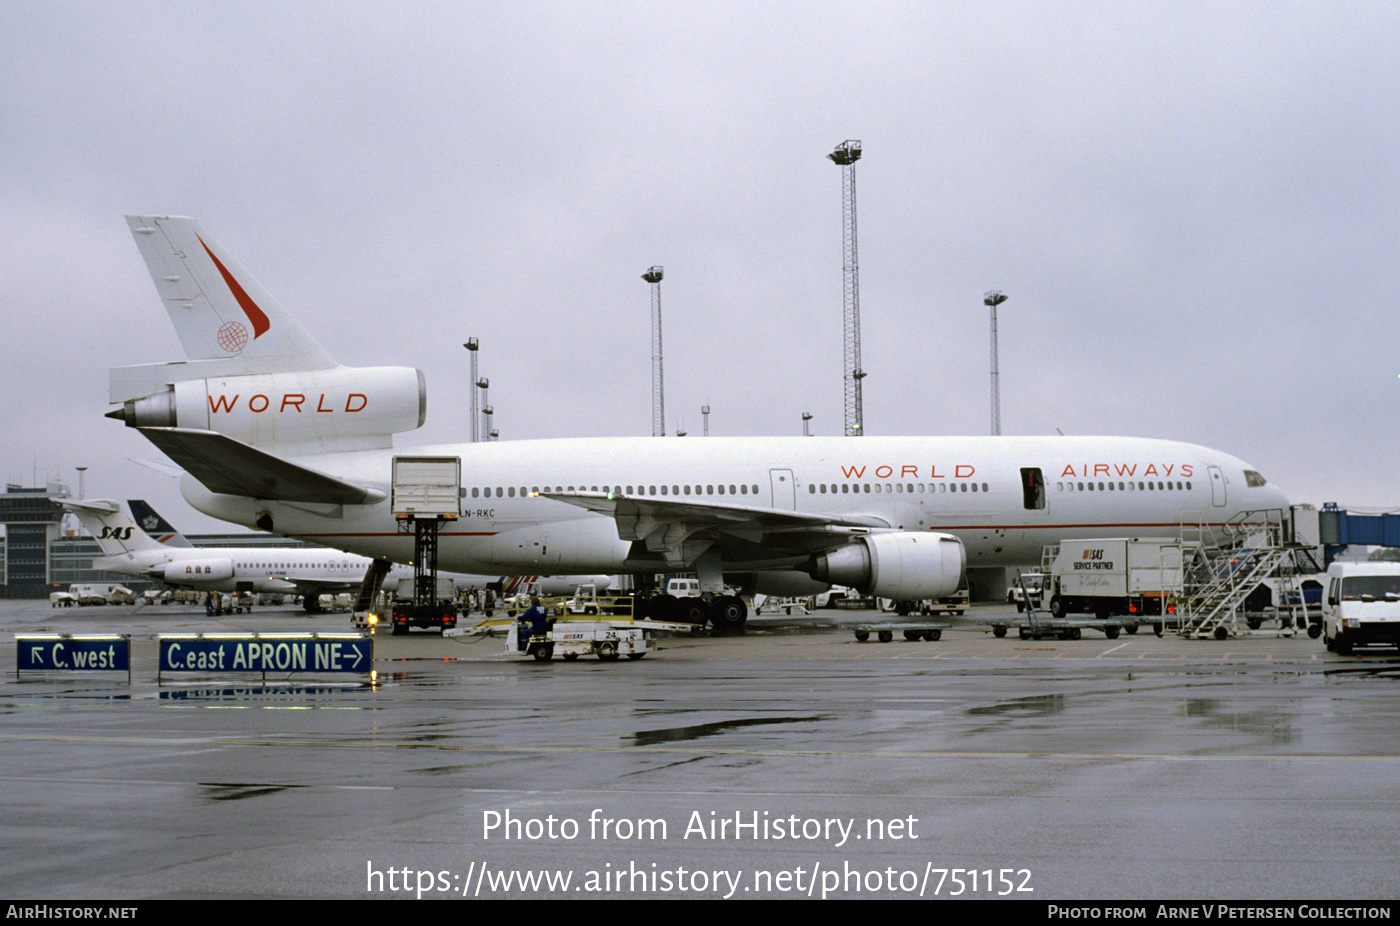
x,y
723,612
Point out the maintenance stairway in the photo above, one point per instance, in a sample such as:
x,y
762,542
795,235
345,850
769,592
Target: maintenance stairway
x,y
1258,550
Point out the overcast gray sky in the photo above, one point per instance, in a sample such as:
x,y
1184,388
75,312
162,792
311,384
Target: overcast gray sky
x,y
1192,206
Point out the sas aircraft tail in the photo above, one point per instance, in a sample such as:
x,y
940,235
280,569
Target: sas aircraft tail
x,y
115,531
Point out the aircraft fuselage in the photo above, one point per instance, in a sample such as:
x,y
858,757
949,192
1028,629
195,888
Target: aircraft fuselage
x,y
1003,497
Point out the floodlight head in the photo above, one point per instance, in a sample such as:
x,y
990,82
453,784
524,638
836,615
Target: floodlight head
x,y
994,298
653,275
471,344
848,152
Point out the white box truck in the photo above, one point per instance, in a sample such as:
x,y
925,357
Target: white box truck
x,y
1132,577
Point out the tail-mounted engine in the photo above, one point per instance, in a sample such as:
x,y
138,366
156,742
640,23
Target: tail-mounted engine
x,y
338,408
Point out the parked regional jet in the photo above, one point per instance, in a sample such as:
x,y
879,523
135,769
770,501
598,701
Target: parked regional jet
x,y
276,435
143,544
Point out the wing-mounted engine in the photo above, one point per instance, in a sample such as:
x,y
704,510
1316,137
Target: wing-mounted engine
x,y
339,408
184,572
903,565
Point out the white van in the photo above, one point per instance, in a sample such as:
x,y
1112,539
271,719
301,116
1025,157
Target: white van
x,y
1362,605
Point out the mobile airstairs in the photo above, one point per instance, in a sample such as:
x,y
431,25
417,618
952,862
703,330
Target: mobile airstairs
x,y
1253,549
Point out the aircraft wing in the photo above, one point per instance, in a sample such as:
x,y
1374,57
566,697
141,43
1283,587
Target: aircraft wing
x,y
682,530
231,467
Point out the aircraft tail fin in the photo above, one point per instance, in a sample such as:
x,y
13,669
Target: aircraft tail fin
x,y
115,531
253,372
155,526
220,312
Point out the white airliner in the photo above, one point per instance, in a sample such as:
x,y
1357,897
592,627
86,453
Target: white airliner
x,y
144,545
129,547
276,435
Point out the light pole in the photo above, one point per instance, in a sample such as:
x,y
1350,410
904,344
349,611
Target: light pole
x,y
658,397
992,299
806,417
846,155
472,347
484,384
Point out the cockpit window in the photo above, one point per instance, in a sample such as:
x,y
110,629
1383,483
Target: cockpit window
x,y
1253,480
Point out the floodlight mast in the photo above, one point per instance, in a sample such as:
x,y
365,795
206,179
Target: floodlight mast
x,y
472,346
658,397
484,384
991,300
846,155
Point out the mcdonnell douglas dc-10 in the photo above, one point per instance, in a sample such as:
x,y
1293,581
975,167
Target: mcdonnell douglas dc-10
x,y
274,434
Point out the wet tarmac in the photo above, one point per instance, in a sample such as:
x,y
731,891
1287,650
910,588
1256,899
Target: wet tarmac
x,y
787,761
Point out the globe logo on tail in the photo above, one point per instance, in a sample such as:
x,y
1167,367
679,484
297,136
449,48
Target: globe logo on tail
x,y
232,336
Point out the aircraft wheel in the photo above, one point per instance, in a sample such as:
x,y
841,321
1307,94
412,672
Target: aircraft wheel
x,y
729,612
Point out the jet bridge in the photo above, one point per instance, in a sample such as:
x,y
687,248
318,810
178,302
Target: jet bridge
x,y
1339,528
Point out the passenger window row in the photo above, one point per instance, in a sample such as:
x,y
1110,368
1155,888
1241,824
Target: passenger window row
x,y
895,488
1123,486
671,490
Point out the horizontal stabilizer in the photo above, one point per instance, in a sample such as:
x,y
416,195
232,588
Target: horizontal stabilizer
x,y
231,467
95,505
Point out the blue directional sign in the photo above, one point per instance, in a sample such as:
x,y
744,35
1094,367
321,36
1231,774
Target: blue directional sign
x,y
267,652
54,652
